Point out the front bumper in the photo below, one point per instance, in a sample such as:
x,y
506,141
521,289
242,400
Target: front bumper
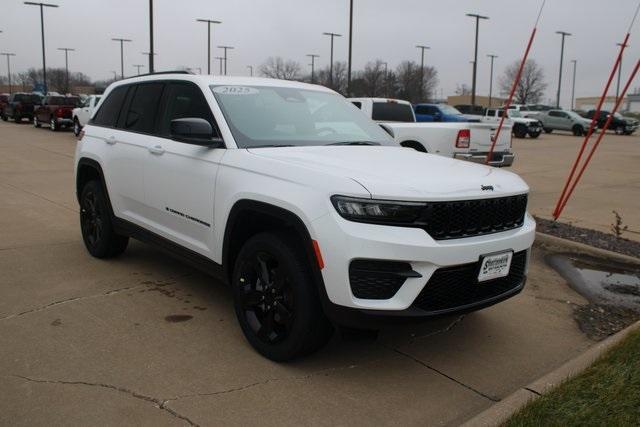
x,y
497,160
342,242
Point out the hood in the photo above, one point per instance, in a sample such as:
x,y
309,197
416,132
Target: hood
x,y
397,173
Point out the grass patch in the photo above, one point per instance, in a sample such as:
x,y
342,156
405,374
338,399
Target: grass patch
x,y
606,394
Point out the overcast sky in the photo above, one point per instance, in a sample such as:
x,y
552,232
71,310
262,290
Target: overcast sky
x,y
383,29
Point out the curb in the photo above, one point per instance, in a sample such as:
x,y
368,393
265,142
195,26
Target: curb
x,y
500,413
549,240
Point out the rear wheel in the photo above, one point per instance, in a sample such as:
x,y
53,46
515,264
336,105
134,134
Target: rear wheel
x,y
98,233
17,118
76,127
548,130
578,130
275,298
534,135
619,130
415,145
4,117
36,122
53,124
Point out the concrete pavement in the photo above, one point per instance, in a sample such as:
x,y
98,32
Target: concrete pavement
x,y
85,341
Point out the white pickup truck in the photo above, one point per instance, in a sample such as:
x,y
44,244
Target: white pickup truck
x,y
521,126
464,141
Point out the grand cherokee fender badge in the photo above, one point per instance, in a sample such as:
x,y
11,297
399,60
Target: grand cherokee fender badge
x,y
486,187
189,217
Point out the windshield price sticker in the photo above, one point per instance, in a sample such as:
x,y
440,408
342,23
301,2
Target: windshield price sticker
x,y
235,90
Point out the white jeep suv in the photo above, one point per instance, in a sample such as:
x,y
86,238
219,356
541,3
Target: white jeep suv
x,y
307,208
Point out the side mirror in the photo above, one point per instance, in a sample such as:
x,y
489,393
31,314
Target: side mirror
x,y
195,131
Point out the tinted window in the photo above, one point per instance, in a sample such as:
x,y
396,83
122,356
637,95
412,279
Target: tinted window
x,y
392,112
555,114
108,113
423,109
28,98
183,100
141,114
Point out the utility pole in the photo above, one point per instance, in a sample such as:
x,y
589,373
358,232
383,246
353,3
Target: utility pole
x,y
350,46
332,35
313,65
66,64
9,55
151,67
573,86
619,73
138,66
115,76
422,49
493,57
209,22
44,59
122,41
221,61
225,48
250,67
563,34
475,56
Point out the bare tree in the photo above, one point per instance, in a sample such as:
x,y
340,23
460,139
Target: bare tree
x,y
373,78
463,89
409,86
532,83
278,68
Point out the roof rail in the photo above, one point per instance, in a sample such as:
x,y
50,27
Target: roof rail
x,y
159,73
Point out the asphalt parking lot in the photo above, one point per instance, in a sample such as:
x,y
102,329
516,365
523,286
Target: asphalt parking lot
x,y
146,340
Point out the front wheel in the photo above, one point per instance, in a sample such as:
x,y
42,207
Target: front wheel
x,y
17,118
534,135
98,233
619,130
36,122
276,301
578,130
53,124
519,131
76,127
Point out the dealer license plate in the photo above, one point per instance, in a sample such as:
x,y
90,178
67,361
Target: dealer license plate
x,y
495,266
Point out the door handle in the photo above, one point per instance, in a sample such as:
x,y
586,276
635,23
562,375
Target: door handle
x,y
111,140
156,149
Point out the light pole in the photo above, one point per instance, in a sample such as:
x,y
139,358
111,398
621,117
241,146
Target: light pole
x,y
332,35
209,22
225,48
563,34
573,86
422,49
138,66
122,41
475,56
250,67
221,61
350,45
151,65
493,57
386,79
44,60
619,73
66,64
9,55
115,76
313,57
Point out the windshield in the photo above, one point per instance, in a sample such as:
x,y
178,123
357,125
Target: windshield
x,y
449,110
515,113
392,111
277,116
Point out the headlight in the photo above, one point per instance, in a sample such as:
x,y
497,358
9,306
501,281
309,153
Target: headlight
x,y
377,211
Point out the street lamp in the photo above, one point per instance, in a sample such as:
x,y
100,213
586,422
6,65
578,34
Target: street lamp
x,y
350,45
151,65
475,56
221,61
313,65
44,60
250,67
225,48
9,55
422,49
332,35
66,63
573,86
493,57
122,41
619,72
208,22
386,79
563,34
138,66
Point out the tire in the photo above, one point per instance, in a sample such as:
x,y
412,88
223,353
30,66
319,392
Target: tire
x,y
53,125
534,135
619,130
4,118
415,145
97,229
548,130
283,319
17,118
36,122
519,131
578,130
76,127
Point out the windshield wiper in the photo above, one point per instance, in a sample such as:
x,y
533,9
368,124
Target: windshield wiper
x,y
354,143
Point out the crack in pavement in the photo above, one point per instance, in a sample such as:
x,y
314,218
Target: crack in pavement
x,y
158,403
420,362
452,325
68,300
532,391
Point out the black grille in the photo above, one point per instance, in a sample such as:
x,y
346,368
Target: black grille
x,y
454,220
371,279
457,287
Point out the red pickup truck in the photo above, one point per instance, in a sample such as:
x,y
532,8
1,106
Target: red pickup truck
x,y
57,111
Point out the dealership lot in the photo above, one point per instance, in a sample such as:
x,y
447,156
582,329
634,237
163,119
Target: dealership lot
x,y
144,339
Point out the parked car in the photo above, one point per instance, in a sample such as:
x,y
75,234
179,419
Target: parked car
x,y
307,208
56,111
83,113
563,120
520,125
438,113
20,106
464,141
4,99
619,124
